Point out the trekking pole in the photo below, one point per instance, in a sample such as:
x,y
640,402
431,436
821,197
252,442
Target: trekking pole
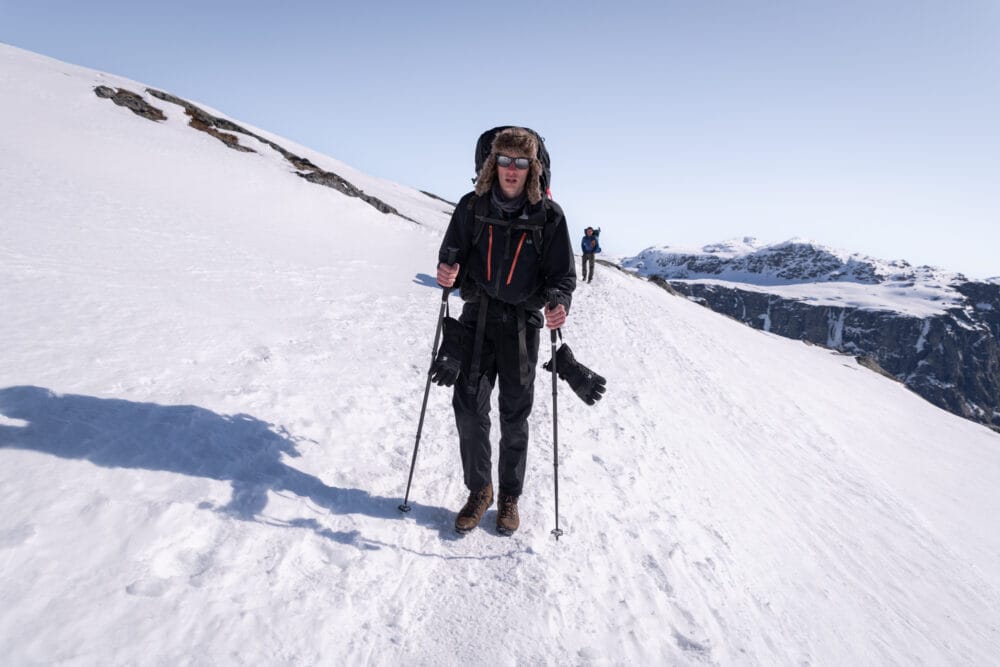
x,y
555,433
452,257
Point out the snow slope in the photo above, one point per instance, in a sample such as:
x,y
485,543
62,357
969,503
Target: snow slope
x,y
209,392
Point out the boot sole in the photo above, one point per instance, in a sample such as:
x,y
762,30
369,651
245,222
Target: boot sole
x,y
505,532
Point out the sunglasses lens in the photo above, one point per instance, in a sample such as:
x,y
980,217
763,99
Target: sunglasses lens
x,y
519,162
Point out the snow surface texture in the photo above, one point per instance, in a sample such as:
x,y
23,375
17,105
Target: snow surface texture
x,y
211,381
807,271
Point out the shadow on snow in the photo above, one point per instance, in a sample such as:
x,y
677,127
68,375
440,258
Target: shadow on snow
x,y
426,280
193,441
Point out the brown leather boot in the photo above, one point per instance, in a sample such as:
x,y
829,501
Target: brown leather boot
x,y
507,518
477,504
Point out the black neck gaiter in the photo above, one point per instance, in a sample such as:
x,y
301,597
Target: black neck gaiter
x,y
505,205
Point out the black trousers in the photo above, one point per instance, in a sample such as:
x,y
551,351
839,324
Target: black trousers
x,y
588,258
499,361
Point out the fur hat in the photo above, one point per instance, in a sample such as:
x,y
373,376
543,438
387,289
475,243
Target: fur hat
x,y
513,142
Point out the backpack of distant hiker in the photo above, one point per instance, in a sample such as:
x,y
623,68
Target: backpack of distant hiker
x,y
485,143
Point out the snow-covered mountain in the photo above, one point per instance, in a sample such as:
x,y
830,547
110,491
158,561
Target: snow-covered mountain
x,y
809,271
209,392
935,331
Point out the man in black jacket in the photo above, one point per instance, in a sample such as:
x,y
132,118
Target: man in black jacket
x,y
514,258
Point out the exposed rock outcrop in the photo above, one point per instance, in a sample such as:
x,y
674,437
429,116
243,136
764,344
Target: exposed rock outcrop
x,y
130,100
227,132
304,167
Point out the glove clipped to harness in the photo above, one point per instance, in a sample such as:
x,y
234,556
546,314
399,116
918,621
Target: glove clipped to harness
x,y
585,383
448,363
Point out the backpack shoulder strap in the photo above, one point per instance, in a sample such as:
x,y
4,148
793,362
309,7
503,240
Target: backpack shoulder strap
x,y
537,227
480,207
550,212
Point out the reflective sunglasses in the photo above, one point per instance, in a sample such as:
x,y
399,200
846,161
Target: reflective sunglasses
x,y
519,162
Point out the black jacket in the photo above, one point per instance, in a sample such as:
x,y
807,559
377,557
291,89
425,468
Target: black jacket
x,y
504,260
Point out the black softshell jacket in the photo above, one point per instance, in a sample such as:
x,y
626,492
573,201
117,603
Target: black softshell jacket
x,y
505,262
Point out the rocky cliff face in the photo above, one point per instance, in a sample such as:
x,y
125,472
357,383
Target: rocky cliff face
x,y
938,333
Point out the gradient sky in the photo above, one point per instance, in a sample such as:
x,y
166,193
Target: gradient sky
x,y
870,126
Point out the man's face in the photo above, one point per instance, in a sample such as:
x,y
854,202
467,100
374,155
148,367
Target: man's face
x,y
590,232
512,180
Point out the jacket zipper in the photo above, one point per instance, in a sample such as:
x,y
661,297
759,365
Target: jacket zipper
x,y
489,257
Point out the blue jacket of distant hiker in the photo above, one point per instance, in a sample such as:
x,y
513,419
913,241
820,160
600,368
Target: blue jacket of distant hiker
x,y
589,245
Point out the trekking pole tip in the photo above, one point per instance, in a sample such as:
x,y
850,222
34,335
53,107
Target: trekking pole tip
x,y
557,533
404,508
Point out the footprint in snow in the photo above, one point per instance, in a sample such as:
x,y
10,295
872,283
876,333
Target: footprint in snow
x,y
15,537
152,587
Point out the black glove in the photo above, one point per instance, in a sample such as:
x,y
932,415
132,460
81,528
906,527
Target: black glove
x,y
448,364
585,383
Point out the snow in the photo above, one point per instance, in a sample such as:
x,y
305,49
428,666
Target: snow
x,y
211,381
835,337
924,330
805,270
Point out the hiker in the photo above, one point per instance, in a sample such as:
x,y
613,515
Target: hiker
x,y
590,247
514,258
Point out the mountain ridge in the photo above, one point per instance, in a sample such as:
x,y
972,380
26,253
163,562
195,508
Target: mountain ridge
x,y
935,331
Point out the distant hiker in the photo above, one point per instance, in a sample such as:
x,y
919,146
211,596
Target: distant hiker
x,y
514,256
590,247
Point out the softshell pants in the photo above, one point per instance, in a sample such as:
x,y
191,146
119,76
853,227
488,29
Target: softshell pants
x,y
499,360
588,258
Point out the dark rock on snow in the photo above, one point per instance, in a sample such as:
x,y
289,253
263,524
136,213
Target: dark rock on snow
x,y
227,132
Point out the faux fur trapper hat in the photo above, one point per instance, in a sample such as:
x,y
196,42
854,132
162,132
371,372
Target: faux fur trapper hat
x,y
513,142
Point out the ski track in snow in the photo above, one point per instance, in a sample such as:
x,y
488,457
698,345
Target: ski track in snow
x,y
208,410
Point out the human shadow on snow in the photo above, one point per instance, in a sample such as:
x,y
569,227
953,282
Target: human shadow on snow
x,y
425,280
193,441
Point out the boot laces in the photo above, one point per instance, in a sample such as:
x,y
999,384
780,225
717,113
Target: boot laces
x,y
476,500
508,507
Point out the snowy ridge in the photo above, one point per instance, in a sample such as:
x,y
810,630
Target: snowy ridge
x,y
806,270
211,381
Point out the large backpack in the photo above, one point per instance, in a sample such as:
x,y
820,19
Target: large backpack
x,y
485,143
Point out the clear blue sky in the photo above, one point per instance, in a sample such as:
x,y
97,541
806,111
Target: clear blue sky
x,y
868,125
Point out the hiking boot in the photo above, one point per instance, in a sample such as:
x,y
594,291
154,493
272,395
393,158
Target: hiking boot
x,y
507,518
477,504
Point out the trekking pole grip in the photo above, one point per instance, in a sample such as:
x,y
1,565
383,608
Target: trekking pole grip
x,y
450,261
